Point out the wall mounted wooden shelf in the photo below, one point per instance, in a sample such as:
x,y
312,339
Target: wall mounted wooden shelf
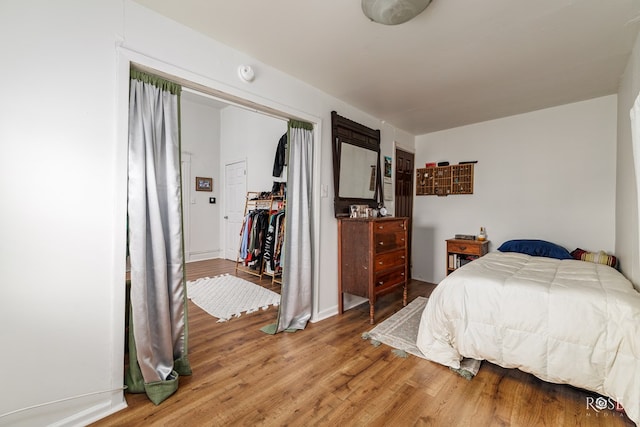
x,y
444,180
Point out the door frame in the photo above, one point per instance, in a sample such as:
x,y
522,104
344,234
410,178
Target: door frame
x,y
233,95
397,148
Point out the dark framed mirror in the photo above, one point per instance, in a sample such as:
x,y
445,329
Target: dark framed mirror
x,y
356,165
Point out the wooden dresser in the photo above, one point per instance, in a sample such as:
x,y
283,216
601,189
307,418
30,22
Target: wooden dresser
x,y
372,258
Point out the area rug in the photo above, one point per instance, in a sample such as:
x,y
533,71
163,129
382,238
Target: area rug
x,y
228,296
400,331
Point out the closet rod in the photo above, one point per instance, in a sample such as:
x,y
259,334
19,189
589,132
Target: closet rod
x,y
274,115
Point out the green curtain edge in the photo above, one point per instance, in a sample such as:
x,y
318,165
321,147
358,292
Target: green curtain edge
x,y
182,365
299,124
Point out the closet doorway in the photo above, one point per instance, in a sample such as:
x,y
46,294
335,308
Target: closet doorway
x,y
235,146
235,193
235,136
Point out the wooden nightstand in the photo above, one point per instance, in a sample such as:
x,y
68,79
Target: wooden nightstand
x,y
460,252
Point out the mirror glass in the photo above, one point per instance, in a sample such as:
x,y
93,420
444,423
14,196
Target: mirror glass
x,y
358,172
357,178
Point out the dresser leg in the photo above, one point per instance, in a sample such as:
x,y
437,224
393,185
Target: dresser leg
x,y
404,295
371,310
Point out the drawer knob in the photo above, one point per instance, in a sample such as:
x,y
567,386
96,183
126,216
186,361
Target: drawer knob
x,y
402,240
402,257
380,262
381,243
380,227
381,283
463,248
402,274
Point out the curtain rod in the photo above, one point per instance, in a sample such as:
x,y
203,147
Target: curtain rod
x,y
235,104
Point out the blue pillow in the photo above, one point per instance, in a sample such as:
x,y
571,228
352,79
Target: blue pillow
x,y
535,248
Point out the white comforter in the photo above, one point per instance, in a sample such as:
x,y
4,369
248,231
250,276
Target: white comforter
x,y
568,322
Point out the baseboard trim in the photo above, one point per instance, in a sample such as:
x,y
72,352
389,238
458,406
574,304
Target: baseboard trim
x,y
204,255
349,302
91,415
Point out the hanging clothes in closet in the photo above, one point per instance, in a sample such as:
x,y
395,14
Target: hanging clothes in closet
x,y
280,160
253,238
273,249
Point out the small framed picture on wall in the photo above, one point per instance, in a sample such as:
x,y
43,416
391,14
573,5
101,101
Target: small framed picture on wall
x,y
204,184
387,167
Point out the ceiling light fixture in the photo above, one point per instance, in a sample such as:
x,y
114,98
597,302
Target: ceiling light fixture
x,y
393,12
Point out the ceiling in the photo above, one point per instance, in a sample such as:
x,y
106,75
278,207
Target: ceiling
x,y
459,62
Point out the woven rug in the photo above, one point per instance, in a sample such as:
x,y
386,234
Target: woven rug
x,y
229,296
400,331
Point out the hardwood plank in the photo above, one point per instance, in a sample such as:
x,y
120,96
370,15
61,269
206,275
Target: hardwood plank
x,y
328,375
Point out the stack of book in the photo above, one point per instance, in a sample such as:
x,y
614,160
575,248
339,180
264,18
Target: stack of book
x,y
458,260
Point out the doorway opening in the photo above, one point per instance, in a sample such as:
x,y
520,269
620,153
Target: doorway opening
x,y
404,191
165,71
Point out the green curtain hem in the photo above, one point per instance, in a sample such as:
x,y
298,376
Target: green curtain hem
x,y
182,366
272,329
158,391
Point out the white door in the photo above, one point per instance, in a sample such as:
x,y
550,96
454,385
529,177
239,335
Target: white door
x,y
235,190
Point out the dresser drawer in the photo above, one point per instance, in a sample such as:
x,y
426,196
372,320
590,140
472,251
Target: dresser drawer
x,y
389,260
385,242
389,278
465,248
388,226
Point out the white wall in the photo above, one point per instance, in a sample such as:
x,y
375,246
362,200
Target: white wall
x,y
63,181
200,127
250,136
63,220
626,193
549,174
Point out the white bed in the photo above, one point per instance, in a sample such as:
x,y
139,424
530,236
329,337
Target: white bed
x,y
567,322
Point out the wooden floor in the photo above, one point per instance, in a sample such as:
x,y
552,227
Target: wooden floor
x,y
327,375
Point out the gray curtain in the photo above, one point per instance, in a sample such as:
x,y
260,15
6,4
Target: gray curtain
x,y
158,312
295,304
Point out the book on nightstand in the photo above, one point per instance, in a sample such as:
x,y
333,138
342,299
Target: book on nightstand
x,y
465,237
